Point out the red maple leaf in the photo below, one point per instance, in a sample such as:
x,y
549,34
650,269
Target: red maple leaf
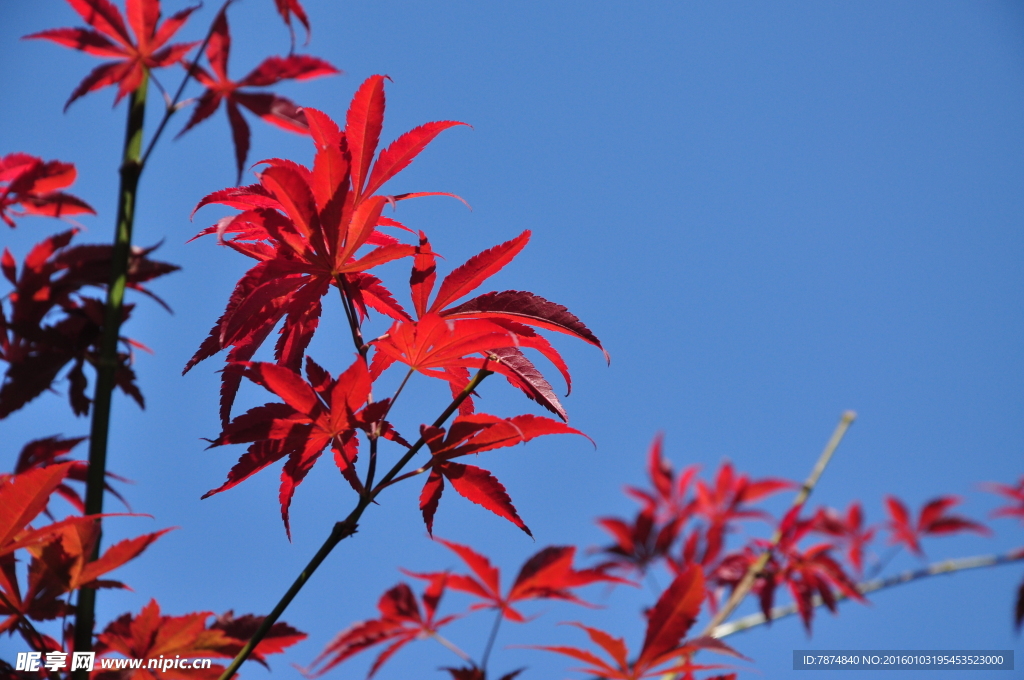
x,y
509,312
640,543
286,8
806,572
306,228
1014,493
272,108
663,650
134,57
400,622
475,434
848,530
34,186
546,575
150,635
316,413
51,322
42,453
727,501
61,552
668,495
932,521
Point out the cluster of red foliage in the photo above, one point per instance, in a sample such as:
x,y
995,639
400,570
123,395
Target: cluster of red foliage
x,y
681,527
311,229
50,322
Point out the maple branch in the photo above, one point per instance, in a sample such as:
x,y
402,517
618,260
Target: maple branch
x,y
754,571
172,106
451,645
414,449
491,639
935,569
107,362
371,469
343,530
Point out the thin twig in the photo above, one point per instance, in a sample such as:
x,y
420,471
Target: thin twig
x,y
172,107
451,645
375,435
351,314
747,582
935,569
490,640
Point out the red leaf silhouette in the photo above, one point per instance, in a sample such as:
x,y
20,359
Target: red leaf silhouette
x,y
1014,493
932,521
148,50
401,621
849,531
51,451
272,108
662,652
286,8
34,186
152,635
307,228
52,323
548,574
474,434
316,413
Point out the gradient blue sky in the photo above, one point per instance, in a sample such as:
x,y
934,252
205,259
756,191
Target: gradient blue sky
x,y
769,213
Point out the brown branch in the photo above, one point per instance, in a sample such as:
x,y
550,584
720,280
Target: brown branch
x,y
936,569
747,582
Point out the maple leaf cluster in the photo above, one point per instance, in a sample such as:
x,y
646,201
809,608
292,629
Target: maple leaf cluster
x,y
50,322
684,520
547,575
145,47
311,230
60,561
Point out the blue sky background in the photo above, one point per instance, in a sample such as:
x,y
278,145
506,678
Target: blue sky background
x,y
769,213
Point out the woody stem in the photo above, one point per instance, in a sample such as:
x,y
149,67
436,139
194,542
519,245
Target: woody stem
x,y
351,314
747,582
935,569
107,362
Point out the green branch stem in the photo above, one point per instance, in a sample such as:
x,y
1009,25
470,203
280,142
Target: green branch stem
x,y
133,160
744,586
935,569
106,364
344,529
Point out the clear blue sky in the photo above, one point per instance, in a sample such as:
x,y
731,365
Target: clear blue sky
x,y
769,213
